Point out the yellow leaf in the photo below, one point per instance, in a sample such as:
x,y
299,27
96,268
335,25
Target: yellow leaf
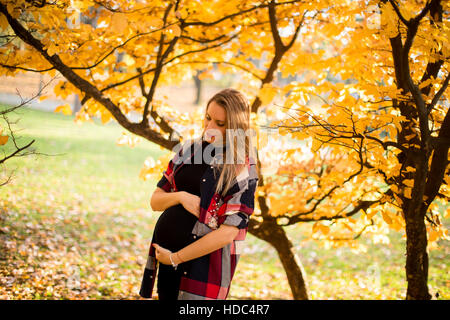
x,y
119,22
396,225
52,49
370,213
175,30
348,227
320,227
65,109
425,83
407,193
3,140
316,145
394,188
13,10
386,217
129,61
3,22
432,235
105,116
408,182
154,21
389,20
410,169
267,93
324,229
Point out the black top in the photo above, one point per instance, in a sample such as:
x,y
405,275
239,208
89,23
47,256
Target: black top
x,y
174,226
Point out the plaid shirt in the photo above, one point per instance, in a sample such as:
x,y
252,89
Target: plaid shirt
x,y
209,277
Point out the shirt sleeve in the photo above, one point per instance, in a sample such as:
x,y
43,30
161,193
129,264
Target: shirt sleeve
x,y
240,206
166,181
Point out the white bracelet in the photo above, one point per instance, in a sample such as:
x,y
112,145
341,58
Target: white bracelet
x,y
173,264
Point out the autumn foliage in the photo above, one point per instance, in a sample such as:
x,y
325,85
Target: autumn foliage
x,y
356,144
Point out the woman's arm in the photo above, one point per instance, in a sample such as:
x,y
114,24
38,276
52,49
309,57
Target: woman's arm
x,y
161,200
212,241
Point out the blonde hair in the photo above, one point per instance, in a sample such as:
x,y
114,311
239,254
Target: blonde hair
x,y
238,120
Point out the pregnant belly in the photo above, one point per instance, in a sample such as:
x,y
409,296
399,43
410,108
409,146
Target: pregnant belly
x,y
173,228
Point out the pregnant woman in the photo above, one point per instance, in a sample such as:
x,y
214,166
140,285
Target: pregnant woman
x,y
206,195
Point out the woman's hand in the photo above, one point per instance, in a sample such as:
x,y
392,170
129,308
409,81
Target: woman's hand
x,y
162,254
190,202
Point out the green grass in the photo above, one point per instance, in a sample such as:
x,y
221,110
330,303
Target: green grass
x,y
76,224
81,195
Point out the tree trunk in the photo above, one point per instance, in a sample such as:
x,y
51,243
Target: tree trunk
x,y
76,104
416,260
416,234
275,235
198,87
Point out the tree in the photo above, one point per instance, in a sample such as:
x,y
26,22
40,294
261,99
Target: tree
x,y
164,42
198,87
392,114
16,149
154,36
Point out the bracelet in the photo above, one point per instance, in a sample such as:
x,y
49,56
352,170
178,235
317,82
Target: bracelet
x,y
173,264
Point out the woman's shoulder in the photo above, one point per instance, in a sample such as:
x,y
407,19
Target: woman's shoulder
x,y
184,149
247,176
250,170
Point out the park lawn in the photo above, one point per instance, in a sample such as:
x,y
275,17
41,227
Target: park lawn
x,y
77,225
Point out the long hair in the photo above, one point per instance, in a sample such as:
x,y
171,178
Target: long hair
x,y
237,125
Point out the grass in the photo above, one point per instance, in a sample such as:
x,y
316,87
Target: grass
x,y
76,224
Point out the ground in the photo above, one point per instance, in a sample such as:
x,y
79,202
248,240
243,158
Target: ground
x,y
75,223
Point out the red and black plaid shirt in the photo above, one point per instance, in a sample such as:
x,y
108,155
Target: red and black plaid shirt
x,y
209,276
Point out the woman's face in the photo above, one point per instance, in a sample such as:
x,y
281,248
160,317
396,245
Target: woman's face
x,y
215,121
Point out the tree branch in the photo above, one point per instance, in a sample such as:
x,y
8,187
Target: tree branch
x,y
399,14
433,67
201,23
297,217
362,205
85,86
439,161
203,40
159,65
225,62
165,63
439,94
279,45
25,69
